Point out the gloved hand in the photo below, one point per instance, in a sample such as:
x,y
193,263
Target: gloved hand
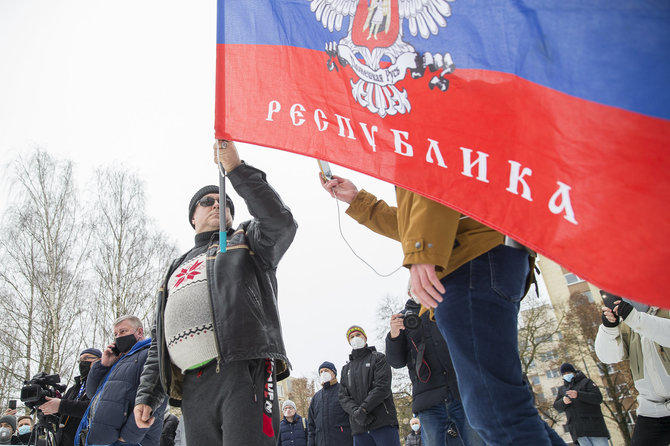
x,y
360,415
607,323
624,309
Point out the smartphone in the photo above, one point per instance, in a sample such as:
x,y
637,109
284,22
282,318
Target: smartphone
x,y
609,299
115,350
12,404
325,170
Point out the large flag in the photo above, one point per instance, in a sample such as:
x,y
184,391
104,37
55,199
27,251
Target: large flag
x,y
549,121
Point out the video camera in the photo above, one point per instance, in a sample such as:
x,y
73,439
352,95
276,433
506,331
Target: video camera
x,y
35,391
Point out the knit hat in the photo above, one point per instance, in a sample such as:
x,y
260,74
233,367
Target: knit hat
x,y
328,365
91,351
211,189
9,419
287,403
567,367
354,328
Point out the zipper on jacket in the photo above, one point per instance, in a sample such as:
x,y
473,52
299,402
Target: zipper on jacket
x,y
211,304
218,364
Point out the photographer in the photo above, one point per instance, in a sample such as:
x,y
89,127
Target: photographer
x,y
73,404
640,334
416,342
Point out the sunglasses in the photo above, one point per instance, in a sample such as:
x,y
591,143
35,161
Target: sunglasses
x,y
208,201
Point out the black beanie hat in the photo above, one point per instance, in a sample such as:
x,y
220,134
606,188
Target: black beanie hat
x,y
211,189
328,365
567,367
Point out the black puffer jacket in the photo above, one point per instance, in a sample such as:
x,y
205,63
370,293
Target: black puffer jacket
x,y
293,433
328,422
242,282
414,439
585,419
436,377
366,383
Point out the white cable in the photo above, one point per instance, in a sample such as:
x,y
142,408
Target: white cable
x,y
339,224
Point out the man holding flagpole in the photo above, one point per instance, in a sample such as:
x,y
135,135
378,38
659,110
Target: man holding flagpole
x,y
473,279
217,342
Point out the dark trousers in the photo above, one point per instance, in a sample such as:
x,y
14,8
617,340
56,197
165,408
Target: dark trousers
x,y
478,319
226,408
384,436
651,431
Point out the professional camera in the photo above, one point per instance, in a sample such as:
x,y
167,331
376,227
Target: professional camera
x,y
411,320
35,391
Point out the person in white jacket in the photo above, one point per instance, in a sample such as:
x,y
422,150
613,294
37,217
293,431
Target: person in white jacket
x,y
641,334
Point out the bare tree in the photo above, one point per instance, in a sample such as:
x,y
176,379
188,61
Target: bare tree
x,y
539,336
129,255
301,393
43,245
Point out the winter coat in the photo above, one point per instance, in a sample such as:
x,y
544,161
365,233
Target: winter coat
x,y
242,282
414,439
110,414
643,339
293,433
170,424
436,377
328,422
366,384
70,411
585,419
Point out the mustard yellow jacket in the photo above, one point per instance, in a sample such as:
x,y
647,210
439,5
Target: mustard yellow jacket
x,y
428,231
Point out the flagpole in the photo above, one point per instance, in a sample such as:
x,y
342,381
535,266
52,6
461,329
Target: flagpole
x,y
222,198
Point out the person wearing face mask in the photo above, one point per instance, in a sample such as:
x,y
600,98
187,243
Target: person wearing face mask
x,y
7,429
580,399
640,334
328,422
73,404
112,384
365,394
414,437
24,429
293,427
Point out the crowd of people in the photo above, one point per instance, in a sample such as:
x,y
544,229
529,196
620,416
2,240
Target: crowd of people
x,y
216,348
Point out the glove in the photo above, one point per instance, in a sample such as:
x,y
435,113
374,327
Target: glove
x,y
360,416
607,323
624,309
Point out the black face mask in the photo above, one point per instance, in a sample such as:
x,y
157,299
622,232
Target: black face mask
x,y
125,343
84,367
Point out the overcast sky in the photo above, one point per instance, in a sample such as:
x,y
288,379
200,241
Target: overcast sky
x,y
131,83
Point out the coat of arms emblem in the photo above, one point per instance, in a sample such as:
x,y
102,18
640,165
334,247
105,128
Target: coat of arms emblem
x,y
375,49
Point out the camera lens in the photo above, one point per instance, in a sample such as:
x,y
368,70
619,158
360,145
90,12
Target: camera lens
x,y
411,321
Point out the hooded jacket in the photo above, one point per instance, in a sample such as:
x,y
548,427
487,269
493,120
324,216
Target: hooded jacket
x,y
110,413
328,422
366,384
436,377
643,339
241,282
585,419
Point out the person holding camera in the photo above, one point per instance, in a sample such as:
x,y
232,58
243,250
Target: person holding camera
x,y
640,334
365,394
473,279
218,346
415,341
580,399
112,384
72,406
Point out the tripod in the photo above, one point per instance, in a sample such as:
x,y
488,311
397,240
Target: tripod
x,y
44,432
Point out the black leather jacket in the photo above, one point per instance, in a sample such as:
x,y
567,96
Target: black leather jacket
x,y
242,289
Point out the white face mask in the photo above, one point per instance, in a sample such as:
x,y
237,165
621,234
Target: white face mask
x,y
416,427
325,377
357,342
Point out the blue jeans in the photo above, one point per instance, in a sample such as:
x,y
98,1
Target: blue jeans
x,y
435,422
593,441
384,436
478,319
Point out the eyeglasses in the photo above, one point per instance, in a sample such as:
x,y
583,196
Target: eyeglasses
x,y
208,201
